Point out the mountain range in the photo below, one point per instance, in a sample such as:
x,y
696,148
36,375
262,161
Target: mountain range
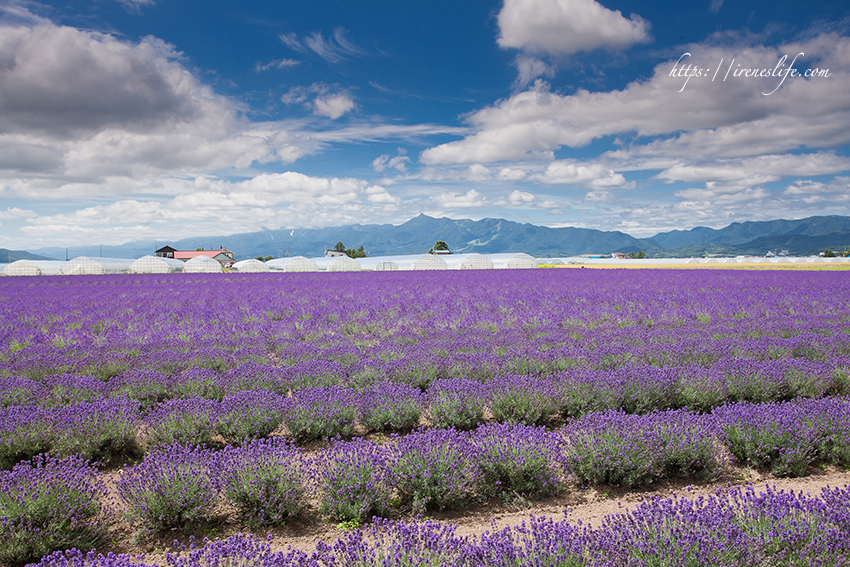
x,y
799,237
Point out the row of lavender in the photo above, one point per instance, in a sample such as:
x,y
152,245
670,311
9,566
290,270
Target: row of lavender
x,y
101,428
48,504
696,386
730,528
414,328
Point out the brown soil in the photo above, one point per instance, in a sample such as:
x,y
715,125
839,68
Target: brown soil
x,y
590,505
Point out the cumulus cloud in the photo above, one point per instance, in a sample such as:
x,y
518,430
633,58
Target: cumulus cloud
x,y
518,197
511,174
564,27
324,100
705,119
333,106
569,172
385,161
207,205
82,107
12,213
762,169
451,200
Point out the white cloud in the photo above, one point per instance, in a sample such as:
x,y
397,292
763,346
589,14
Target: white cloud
x,y
599,196
518,197
511,174
384,162
12,213
760,169
569,172
706,119
333,49
530,68
567,26
324,100
469,200
377,194
275,64
210,205
333,106
81,107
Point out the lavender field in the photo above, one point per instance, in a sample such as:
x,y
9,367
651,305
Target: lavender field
x,y
133,407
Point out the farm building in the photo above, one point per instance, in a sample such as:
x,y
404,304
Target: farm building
x,y
468,262
34,268
251,265
295,264
85,265
155,265
223,256
202,264
513,260
338,264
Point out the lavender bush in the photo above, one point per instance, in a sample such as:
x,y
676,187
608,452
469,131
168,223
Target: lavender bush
x,y
517,461
25,431
188,421
388,405
173,487
456,403
100,430
433,469
629,450
264,480
48,505
774,435
353,481
517,399
316,413
248,415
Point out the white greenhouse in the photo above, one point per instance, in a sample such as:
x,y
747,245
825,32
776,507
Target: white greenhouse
x,y
382,263
202,265
468,262
155,265
34,268
294,264
85,265
430,262
250,265
513,260
337,264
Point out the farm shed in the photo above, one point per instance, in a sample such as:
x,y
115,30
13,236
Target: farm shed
x,y
294,264
34,268
155,265
468,262
513,261
251,265
85,265
202,265
338,264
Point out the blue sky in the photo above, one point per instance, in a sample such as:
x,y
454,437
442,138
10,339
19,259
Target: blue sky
x,y
142,119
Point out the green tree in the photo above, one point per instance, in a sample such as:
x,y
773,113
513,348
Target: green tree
x,y
441,245
265,258
350,252
640,255
829,254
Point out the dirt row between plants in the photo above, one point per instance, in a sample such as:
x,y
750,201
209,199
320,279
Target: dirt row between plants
x,y
588,505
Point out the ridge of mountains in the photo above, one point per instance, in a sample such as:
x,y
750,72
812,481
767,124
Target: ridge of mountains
x,y
416,236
